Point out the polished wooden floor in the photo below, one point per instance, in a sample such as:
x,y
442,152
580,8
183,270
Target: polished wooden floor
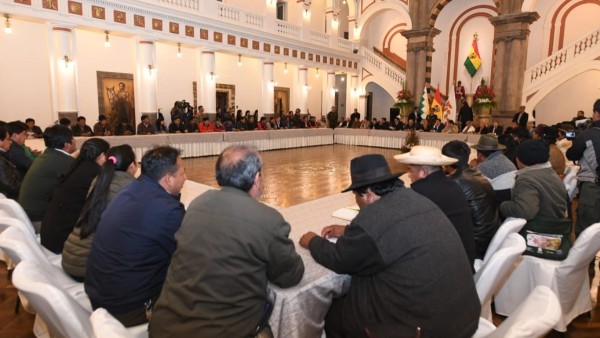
x,y
290,177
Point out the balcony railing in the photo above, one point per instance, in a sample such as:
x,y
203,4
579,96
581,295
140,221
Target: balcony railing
x,y
287,28
238,15
588,45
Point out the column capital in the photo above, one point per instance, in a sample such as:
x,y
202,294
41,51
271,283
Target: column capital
x,y
420,39
511,27
425,33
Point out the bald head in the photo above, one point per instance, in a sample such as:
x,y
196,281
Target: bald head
x,y
238,166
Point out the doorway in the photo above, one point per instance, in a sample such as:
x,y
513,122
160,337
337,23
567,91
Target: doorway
x,y
222,100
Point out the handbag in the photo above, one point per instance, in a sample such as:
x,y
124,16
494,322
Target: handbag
x,y
548,238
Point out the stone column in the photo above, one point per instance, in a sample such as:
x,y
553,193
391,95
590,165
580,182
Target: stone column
x,y
419,51
329,91
268,90
510,44
64,70
208,82
146,82
302,86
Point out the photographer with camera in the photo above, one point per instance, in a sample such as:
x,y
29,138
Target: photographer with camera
x,y
586,150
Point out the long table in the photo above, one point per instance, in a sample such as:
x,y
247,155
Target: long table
x,y
209,144
299,311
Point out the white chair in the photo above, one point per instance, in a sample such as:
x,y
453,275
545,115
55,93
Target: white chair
x,y
504,181
2,196
30,235
105,325
570,180
510,225
15,244
535,317
13,209
496,270
63,316
568,279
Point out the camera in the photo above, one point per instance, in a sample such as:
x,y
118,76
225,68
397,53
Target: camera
x,y
570,134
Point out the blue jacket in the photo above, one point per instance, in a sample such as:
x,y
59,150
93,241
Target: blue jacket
x,y
132,247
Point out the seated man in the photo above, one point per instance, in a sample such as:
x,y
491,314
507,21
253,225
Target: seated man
x,y
234,251
490,160
135,238
479,194
17,153
82,129
42,177
145,127
176,126
404,258
192,126
428,179
124,128
34,131
101,128
206,126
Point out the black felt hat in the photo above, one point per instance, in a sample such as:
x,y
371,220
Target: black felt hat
x,y
533,152
369,169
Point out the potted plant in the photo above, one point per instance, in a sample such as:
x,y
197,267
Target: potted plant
x,y
405,102
410,141
484,99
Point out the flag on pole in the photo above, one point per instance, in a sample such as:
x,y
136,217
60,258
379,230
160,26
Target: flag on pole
x,y
436,105
473,60
450,107
424,104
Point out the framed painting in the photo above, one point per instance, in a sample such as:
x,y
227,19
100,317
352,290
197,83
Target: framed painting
x,y
116,98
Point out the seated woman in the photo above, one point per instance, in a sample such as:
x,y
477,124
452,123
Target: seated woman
x,y
481,128
116,173
70,194
10,180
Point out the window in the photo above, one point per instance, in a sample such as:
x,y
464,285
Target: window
x,y
282,10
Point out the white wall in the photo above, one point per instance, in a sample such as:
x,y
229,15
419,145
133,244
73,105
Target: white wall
x,y
581,21
25,73
91,57
175,76
578,93
247,79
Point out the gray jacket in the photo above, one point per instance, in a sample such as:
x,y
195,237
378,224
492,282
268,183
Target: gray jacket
x,y
538,191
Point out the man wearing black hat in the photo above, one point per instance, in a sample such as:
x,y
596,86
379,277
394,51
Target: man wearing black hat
x,y
586,151
538,191
394,250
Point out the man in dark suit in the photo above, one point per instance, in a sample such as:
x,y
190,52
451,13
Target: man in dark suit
x,y
42,177
17,154
495,128
391,250
437,126
521,117
428,179
355,115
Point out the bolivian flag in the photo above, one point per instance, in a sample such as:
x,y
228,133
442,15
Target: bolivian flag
x,y
436,105
473,60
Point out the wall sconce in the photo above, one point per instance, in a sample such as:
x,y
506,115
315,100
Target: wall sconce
x,y
179,49
150,68
285,70
7,28
317,74
239,60
343,78
306,13
66,60
334,22
271,2
306,87
213,76
106,39
344,2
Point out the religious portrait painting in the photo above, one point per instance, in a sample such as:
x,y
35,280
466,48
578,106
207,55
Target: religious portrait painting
x,y
116,97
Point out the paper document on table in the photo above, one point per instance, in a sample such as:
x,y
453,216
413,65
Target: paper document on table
x,y
347,214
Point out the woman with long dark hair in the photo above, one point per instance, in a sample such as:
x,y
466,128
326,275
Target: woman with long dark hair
x,y
70,194
116,173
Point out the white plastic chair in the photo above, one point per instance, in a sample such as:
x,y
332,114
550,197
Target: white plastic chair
x,y
570,180
511,225
15,244
2,196
568,279
107,326
504,181
13,209
63,316
30,235
496,270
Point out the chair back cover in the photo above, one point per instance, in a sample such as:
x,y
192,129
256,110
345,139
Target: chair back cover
x,y
107,326
61,313
496,270
535,317
13,209
510,226
572,273
504,181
